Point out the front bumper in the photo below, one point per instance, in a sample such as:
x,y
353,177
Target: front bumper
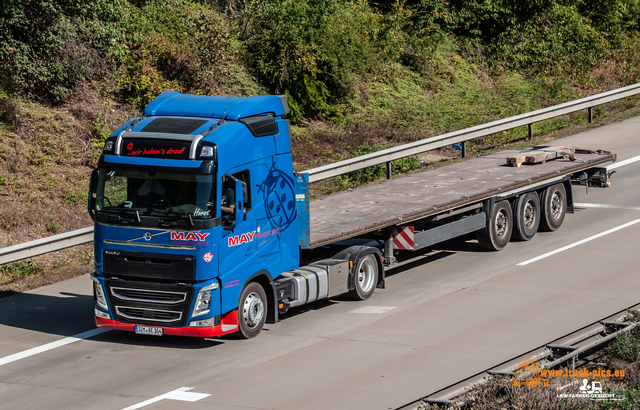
x,y
228,324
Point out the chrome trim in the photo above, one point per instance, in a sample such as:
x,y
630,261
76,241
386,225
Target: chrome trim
x,y
194,146
118,143
159,136
148,245
144,318
172,302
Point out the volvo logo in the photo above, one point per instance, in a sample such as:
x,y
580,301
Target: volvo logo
x,y
147,236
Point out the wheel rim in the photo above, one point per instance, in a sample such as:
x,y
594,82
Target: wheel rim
x,y
556,205
529,214
501,224
253,310
366,274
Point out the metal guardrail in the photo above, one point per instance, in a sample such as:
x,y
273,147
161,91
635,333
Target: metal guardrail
x,y
46,245
467,134
85,235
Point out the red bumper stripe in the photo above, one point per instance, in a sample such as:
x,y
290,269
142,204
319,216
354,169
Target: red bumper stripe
x,y
228,324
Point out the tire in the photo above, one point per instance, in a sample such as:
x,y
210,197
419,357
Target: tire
x,y
554,208
365,277
252,311
526,216
495,236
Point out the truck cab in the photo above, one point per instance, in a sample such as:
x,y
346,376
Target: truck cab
x,y
191,201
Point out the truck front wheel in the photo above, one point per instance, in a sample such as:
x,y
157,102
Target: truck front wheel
x,y
365,277
252,310
554,208
497,233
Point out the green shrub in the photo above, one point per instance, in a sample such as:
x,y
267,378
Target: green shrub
x,y
626,346
49,47
52,226
22,269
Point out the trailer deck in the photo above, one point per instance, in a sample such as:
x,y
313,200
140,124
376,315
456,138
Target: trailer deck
x,y
416,196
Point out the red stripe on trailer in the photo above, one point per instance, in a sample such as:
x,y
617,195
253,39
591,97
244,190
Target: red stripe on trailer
x,y
403,237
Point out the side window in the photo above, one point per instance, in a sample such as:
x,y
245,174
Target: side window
x,y
244,177
228,201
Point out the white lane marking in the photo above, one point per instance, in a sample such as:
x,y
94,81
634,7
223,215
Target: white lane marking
x,y
623,163
181,394
582,205
373,309
573,245
52,345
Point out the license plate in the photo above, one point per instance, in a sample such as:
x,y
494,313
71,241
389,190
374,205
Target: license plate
x,y
148,330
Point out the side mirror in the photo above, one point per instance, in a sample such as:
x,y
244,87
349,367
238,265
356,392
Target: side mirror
x,y
91,201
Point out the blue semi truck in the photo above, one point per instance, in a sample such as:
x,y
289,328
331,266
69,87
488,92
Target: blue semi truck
x,y
202,228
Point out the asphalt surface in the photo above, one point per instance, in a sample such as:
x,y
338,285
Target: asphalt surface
x,y
445,316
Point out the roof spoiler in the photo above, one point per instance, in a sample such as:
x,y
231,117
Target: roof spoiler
x,y
231,108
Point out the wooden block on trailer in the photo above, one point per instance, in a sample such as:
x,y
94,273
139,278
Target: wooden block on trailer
x,y
540,155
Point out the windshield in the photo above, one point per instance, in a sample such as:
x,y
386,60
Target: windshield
x,y
156,193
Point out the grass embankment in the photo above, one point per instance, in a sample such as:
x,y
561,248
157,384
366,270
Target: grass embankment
x,y
359,77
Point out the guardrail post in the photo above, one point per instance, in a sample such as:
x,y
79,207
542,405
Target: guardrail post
x,y
388,169
530,126
590,115
464,149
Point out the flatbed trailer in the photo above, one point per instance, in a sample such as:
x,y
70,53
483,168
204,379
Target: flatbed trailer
x,y
439,191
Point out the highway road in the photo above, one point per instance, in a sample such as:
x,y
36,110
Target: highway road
x,y
444,316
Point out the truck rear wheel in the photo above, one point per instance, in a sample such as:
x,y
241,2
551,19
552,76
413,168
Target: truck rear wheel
x,y
252,310
554,208
365,277
495,236
526,216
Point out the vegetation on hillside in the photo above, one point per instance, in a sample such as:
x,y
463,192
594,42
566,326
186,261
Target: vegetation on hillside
x,y
359,76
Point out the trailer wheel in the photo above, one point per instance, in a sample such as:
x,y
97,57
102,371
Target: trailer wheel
x,y
252,310
526,216
554,208
495,236
365,278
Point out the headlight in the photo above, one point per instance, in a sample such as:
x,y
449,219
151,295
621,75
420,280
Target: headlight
x,y
108,146
203,301
99,293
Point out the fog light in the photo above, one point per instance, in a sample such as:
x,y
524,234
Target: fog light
x,y
203,323
101,314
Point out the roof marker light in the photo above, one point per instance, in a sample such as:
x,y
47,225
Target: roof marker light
x,y
206,151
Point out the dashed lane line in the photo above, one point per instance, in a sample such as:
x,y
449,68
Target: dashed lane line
x,y
573,245
623,163
605,206
52,345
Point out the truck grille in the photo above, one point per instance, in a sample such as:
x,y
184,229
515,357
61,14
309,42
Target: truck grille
x,y
149,266
165,316
149,303
152,296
